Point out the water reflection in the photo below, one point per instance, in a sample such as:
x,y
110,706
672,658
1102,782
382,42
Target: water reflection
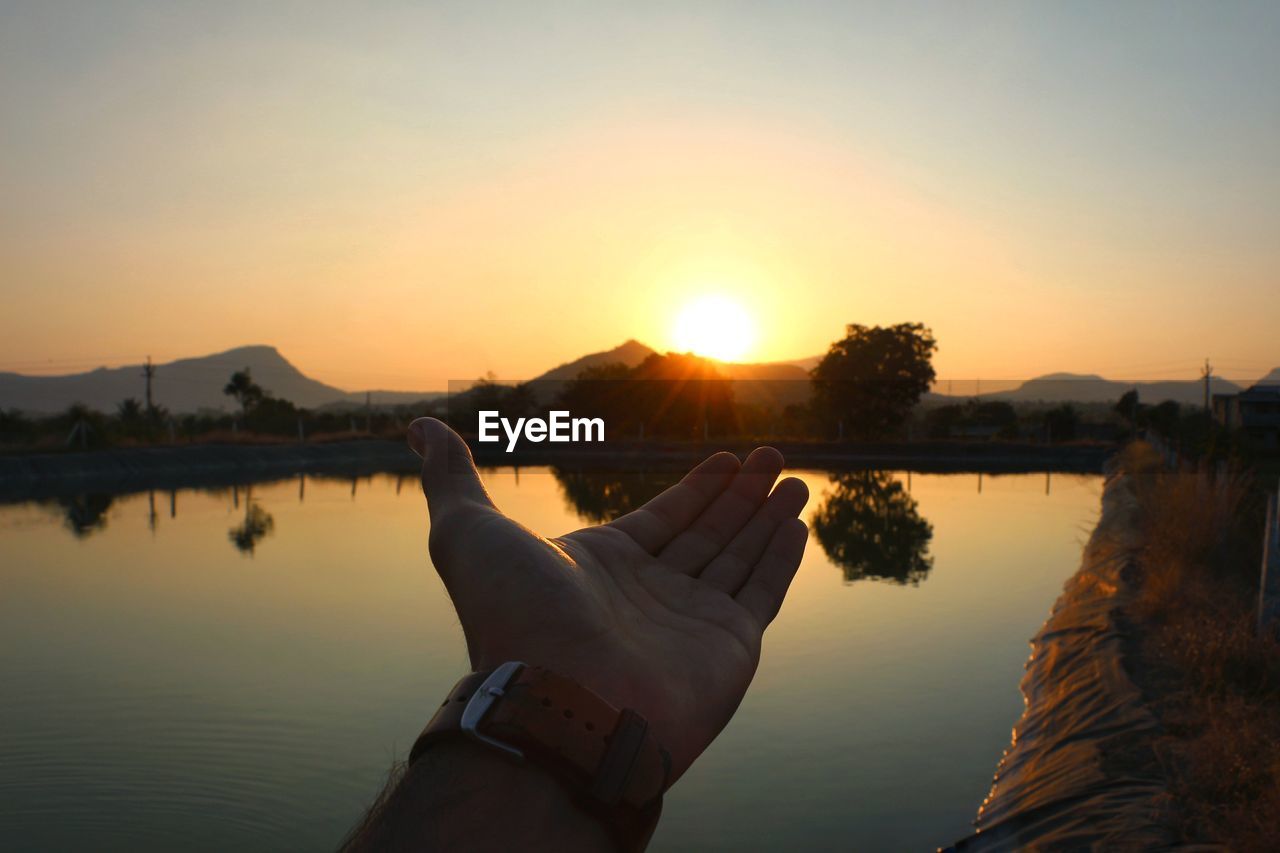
x,y
85,514
157,652
257,525
871,528
598,497
867,522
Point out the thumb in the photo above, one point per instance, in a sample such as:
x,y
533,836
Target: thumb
x,y
449,476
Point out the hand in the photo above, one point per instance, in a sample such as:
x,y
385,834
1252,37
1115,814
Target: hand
x,y
661,611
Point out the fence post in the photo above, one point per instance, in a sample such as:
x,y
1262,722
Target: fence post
x,y
1269,583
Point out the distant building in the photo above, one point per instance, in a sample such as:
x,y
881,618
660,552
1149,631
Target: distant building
x,y
1255,412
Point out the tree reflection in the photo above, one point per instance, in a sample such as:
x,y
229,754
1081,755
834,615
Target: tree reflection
x,y
870,527
600,497
257,525
85,514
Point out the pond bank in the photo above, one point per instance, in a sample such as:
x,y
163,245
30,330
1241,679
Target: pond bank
x,y
1079,774
33,475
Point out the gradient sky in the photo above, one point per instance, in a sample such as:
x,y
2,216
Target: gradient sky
x,y
409,193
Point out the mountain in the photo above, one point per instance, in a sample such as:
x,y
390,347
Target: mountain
x,y
1087,388
1091,388
778,383
1272,378
191,384
805,364
185,385
630,353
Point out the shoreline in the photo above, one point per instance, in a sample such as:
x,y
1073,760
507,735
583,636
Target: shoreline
x,y
1077,773
136,468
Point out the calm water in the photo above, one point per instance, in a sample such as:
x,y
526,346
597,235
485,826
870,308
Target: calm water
x,y
236,669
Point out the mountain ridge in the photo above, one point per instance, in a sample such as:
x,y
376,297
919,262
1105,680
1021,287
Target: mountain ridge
x,y
195,383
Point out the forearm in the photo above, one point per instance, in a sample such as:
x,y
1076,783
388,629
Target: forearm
x,y
463,796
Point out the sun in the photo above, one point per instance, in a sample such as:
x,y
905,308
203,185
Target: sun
x,y
714,327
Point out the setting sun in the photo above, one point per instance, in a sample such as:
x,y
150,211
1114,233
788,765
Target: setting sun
x,y
715,327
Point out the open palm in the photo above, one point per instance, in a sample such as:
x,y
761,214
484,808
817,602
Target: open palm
x,y
661,611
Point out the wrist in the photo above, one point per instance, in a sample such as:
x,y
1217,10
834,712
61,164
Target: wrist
x,y
605,758
461,795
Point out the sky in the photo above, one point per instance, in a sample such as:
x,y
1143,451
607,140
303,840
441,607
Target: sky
x,y
400,194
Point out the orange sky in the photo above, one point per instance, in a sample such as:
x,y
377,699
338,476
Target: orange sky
x,y
403,197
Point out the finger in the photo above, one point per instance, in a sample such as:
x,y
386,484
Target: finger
x,y
657,522
730,569
764,590
449,476
691,550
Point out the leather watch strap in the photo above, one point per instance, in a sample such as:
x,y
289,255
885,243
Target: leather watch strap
x,y
608,758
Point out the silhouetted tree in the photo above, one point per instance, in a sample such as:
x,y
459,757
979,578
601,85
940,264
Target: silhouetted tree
x,y
671,395
83,427
15,427
273,415
1127,407
990,417
129,411
870,527
870,379
246,392
509,401
1164,418
1061,422
601,391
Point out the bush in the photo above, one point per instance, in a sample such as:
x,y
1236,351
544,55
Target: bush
x,y
1212,681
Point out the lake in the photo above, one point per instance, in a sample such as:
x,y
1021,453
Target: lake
x,y
238,668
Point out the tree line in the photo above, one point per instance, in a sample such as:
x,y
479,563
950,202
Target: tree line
x,y
868,386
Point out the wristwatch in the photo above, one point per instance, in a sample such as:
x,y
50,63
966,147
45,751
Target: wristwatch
x,y
608,759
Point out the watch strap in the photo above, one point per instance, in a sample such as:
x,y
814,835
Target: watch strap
x,y
609,758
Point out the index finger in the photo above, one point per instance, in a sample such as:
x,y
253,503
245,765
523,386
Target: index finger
x,y
660,520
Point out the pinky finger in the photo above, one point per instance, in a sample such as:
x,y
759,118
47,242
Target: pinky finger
x,y
767,585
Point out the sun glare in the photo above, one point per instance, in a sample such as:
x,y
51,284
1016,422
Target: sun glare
x,y
715,327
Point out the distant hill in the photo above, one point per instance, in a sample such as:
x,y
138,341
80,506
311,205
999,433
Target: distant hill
x,y
805,364
1089,388
192,384
185,385
630,353
1077,388
775,382
769,383
1272,378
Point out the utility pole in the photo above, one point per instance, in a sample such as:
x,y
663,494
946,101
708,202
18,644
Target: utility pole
x,y
149,372
1205,373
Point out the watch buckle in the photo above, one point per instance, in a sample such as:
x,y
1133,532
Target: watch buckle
x,y
493,689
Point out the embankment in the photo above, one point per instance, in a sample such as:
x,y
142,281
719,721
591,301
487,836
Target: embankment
x,y
35,475
1079,774
130,469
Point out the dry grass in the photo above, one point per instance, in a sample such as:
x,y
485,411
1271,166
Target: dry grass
x,y
1214,684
